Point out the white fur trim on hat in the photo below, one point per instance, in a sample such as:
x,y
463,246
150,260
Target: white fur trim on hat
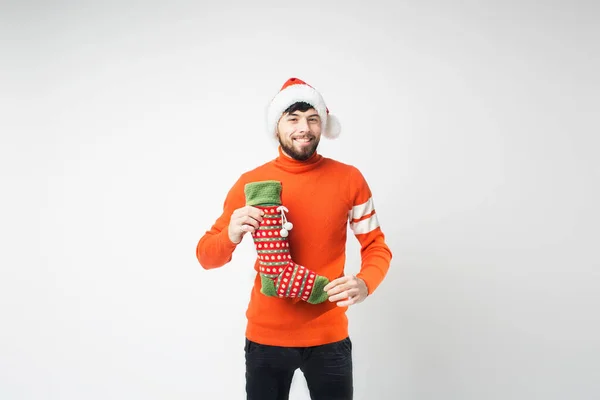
x,y
330,125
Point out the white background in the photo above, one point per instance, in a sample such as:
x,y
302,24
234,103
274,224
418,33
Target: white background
x,y
123,125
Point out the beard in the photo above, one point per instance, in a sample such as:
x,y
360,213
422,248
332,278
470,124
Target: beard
x,y
300,155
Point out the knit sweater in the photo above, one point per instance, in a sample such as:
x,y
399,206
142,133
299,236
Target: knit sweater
x,y
324,197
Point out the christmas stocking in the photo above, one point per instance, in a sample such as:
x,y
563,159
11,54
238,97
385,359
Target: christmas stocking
x,y
280,275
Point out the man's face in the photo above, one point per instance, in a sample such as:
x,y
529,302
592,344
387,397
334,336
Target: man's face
x,y
299,133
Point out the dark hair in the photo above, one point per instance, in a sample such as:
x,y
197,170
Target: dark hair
x,y
299,106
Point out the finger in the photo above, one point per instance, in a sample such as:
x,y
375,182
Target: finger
x,y
247,228
239,212
255,213
248,211
350,301
340,288
248,221
339,296
256,218
344,295
336,282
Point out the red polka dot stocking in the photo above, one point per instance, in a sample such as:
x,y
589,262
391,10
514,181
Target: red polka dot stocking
x,y
280,275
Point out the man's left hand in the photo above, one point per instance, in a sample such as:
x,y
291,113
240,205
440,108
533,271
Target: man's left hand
x,y
349,289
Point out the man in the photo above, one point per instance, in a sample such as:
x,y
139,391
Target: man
x,y
297,309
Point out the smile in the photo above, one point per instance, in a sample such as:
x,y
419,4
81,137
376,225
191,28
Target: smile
x,y
303,140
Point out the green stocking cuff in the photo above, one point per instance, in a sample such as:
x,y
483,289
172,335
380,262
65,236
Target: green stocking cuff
x,y
318,295
267,286
263,193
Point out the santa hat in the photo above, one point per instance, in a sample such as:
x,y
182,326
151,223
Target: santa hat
x,y
295,90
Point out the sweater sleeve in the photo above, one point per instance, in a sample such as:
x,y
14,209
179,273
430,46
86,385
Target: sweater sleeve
x,y
375,253
214,248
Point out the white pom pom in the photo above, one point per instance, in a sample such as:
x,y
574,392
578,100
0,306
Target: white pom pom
x,y
333,128
283,233
288,225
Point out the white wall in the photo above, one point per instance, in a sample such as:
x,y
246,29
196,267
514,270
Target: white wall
x,y
124,124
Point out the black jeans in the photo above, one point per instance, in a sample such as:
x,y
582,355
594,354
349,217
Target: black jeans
x,y
327,370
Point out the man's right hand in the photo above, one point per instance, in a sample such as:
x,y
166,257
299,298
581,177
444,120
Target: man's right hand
x,y
243,220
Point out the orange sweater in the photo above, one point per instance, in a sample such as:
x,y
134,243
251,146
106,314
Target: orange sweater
x,y
322,196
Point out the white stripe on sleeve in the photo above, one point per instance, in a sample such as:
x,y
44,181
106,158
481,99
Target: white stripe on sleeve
x,y
361,210
366,225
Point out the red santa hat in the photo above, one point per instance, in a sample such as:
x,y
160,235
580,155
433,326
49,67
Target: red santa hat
x,y
295,90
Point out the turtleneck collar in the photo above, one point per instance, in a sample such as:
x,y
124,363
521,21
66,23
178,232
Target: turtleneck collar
x,y
289,164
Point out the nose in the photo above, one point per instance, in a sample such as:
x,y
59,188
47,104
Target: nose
x,y
303,125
